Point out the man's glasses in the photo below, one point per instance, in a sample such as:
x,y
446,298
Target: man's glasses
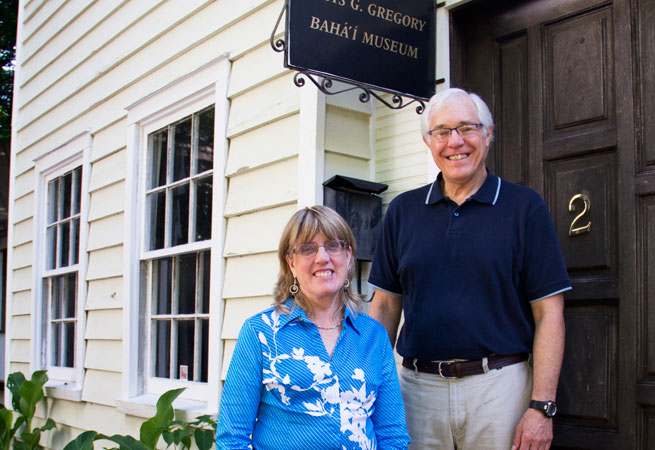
x,y
443,134
333,248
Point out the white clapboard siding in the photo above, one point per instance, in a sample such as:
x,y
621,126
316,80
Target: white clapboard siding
x,y
80,22
126,72
73,418
101,324
399,147
22,327
239,309
107,201
105,263
102,233
409,160
24,231
116,54
256,232
21,352
105,293
269,186
109,139
255,68
108,170
347,132
250,276
23,208
264,145
263,104
23,184
340,164
101,387
22,279
104,355
23,255
22,303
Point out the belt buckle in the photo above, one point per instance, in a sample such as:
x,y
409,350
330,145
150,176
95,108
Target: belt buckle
x,y
441,373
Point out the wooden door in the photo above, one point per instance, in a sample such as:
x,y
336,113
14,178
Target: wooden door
x,y
571,84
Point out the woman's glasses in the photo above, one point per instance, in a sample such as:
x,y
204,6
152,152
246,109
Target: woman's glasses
x,y
333,248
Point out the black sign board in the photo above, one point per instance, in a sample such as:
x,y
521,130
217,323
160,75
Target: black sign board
x,y
387,45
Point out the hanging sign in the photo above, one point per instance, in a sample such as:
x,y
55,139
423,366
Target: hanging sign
x,y
388,45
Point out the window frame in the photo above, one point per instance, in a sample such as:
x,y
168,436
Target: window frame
x,y
201,88
63,382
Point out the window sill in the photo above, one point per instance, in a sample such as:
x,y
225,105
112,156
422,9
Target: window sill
x,y
63,390
145,406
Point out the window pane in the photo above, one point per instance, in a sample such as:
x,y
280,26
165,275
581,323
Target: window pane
x,y
204,209
51,251
75,241
77,191
180,215
182,150
162,286
67,195
204,349
56,298
185,348
64,240
55,356
206,265
205,140
158,155
53,196
162,344
157,204
69,295
69,344
186,282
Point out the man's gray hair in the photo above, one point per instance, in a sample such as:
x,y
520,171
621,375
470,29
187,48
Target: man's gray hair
x,y
449,96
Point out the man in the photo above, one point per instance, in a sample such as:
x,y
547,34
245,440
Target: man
x,y
474,263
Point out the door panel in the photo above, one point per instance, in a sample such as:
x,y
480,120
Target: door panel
x,y
589,251
645,95
592,337
578,74
513,67
547,69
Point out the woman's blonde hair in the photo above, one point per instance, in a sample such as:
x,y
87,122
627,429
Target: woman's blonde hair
x,y
301,228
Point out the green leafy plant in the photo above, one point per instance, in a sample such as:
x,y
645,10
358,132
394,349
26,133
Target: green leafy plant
x,y
163,425
25,395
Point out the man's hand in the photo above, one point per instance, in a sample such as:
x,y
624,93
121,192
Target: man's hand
x,y
534,432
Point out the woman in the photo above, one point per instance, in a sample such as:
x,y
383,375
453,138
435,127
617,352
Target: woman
x,y
312,372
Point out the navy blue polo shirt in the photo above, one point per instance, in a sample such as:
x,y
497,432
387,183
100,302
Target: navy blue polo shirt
x,y
467,274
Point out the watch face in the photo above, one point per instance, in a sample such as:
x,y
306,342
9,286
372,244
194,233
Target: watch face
x,y
551,409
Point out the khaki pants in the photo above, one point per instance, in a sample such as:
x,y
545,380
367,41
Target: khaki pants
x,y
471,413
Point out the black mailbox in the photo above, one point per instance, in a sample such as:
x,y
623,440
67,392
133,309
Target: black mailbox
x,y
357,202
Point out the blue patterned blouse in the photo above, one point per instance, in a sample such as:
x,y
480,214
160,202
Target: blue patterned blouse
x,y
284,390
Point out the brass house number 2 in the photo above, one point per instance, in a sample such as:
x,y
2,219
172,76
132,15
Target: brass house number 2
x,y
576,228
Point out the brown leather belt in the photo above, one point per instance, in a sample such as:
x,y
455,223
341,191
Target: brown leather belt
x,y
459,369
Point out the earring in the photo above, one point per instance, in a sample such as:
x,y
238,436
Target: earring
x,y
346,285
294,287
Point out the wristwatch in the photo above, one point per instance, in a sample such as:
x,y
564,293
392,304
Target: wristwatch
x,y
548,408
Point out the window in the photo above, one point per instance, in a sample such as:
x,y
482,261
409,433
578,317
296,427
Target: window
x,y
174,248
61,275
179,212
60,265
